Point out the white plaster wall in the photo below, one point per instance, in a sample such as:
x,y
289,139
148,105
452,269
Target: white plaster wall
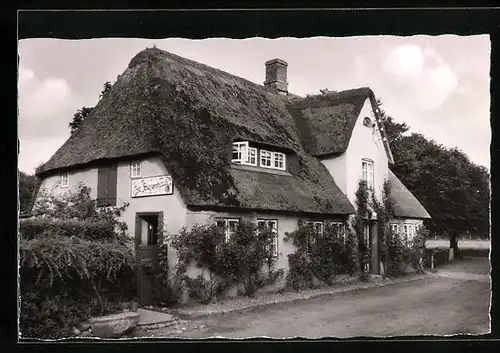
x,y
172,206
51,184
365,142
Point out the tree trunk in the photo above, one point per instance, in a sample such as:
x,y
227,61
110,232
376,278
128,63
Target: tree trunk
x,y
454,250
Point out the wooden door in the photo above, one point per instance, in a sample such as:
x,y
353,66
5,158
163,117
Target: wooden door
x,y
147,239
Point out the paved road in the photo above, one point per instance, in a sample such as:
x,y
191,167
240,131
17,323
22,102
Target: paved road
x,y
437,305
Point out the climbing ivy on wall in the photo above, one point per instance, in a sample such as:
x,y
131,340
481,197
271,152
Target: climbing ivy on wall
x,y
358,223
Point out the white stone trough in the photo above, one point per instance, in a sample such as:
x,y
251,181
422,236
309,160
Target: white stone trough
x,y
114,326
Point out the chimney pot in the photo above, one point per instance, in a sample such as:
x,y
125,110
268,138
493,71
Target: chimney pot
x,y
276,75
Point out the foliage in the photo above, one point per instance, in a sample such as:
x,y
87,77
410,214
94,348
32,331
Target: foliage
x,y
324,258
72,265
456,192
78,118
167,288
82,113
358,223
66,228
238,260
246,253
78,205
27,185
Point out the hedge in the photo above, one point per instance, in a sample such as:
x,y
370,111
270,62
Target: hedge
x,y
84,229
70,271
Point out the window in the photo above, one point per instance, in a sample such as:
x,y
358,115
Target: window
x,y
394,228
339,229
273,225
318,230
266,159
279,160
244,154
135,169
367,172
406,228
252,156
229,226
64,180
106,186
240,152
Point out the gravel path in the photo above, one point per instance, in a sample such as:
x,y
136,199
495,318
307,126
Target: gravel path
x,y
432,306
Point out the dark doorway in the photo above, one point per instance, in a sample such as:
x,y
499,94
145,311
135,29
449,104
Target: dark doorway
x,y
147,238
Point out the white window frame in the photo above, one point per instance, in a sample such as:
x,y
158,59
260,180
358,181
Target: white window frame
x,y
252,156
241,149
65,180
274,228
395,228
246,154
275,160
341,225
227,229
315,224
135,169
367,172
267,156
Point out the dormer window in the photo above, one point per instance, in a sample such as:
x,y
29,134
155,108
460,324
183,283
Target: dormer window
x,y
279,160
266,159
244,154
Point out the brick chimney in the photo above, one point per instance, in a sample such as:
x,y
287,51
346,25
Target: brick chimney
x,y
276,75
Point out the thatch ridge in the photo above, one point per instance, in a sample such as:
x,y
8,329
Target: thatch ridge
x,y
190,113
406,205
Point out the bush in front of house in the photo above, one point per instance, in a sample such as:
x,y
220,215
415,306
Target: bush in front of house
x,y
322,257
244,259
72,269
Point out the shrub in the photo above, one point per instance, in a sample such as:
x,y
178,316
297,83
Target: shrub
x,y
242,259
324,258
76,262
83,229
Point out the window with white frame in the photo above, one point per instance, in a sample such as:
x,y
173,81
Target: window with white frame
x,y
279,160
339,229
229,226
135,169
244,154
240,152
252,156
367,172
271,224
318,230
394,228
266,159
64,180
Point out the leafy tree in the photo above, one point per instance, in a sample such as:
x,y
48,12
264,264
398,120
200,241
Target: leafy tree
x,y
82,113
78,118
453,189
27,185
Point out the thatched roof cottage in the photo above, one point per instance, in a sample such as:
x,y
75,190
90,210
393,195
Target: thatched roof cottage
x,y
186,143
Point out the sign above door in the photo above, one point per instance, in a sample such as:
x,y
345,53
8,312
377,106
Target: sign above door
x,y
152,186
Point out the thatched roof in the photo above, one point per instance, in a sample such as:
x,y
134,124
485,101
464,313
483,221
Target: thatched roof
x,y
406,204
189,114
326,121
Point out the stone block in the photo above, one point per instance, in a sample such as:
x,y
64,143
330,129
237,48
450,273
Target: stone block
x,y
113,326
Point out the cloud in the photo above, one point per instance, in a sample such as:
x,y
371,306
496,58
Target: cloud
x,y
45,106
421,75
405,60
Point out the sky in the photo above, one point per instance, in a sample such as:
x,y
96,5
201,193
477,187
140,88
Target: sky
x,y
438,85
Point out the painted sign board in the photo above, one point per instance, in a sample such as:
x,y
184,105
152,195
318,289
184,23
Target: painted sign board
x,y
152,186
